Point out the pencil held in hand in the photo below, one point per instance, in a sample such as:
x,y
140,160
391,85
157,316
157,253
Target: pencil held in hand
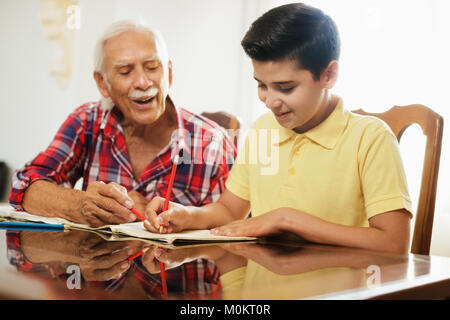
x,y
169,189
141,217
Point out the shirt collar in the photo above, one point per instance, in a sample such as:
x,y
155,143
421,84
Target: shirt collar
x,y
326,134
112,118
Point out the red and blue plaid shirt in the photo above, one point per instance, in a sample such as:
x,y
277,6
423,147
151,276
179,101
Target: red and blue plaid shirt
x,y
91,145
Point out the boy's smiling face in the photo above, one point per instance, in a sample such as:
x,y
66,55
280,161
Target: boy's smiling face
x,y
298,101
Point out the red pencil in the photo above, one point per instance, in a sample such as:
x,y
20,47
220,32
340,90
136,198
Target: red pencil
x,y
166,206
137,254
161,265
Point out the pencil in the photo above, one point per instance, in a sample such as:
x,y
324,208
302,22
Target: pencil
x,y
31,226
169,188
161,264
166,206
137,254
140,216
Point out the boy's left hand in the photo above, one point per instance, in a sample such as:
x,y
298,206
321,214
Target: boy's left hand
x,y
263,225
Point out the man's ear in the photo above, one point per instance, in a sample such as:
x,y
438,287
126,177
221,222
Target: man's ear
x,y
170,73
330,74
101,84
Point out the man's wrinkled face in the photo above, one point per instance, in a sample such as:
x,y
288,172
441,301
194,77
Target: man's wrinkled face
x,y
135,77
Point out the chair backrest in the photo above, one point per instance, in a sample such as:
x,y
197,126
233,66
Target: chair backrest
x,y
5,175
225,120
400,118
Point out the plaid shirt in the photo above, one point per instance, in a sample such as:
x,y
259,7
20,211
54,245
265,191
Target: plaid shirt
x,y
91,145
193,280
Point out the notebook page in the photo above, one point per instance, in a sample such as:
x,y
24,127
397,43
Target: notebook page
x,y
137,229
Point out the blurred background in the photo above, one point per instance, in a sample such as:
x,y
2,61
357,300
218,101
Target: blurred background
x,y
394,52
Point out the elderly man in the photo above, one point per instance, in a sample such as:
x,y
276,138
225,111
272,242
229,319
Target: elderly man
x,y
123,147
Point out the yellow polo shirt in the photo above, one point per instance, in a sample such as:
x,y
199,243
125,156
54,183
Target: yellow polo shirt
x,y
346,170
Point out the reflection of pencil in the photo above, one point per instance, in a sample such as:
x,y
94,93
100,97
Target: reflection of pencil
x,y
137,254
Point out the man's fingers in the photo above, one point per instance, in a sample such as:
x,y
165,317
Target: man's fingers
x,y
117,192
117,213
111,273
111,216
88,251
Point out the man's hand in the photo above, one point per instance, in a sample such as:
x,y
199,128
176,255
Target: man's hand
x,y
175,219
140,202
100,260
104,204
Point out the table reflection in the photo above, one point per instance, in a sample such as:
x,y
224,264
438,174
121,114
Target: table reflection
x,y
263,270
103,266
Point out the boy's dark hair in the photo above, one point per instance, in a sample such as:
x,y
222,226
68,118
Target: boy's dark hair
x,y
296,32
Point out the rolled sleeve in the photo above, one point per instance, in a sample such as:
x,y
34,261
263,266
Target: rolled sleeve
x,y
59,163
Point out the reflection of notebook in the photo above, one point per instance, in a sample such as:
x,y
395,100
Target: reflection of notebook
x,y
133,229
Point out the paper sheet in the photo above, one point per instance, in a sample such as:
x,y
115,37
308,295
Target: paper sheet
x,y
133,229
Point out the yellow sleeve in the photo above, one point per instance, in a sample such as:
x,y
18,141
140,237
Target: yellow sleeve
x,y
383,179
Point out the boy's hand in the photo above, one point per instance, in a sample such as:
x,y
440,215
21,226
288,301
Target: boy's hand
x,y
175,219
260,226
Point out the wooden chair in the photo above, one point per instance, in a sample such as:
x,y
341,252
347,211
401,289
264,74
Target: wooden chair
x,y
399,119
226,121
5,176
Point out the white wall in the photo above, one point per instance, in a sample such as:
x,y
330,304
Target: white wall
x,y
393,52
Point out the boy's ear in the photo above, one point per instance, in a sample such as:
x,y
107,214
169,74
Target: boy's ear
x,y
330,74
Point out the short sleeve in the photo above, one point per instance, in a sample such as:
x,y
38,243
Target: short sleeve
x,y
383,180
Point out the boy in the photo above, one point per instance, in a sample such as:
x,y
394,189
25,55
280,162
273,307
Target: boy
x,y
340,179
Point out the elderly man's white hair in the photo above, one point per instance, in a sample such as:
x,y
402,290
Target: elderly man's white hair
x,y
116,29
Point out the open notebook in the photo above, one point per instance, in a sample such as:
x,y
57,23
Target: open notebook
x,y
133,229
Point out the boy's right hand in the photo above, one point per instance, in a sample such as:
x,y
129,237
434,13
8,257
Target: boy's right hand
x,y
175,219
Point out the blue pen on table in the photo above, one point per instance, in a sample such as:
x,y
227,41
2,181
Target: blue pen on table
x,y
31,226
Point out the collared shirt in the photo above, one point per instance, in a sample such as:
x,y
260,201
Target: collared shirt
x,y
91,145
345,170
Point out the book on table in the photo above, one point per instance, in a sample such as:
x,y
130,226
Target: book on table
x,y
123,231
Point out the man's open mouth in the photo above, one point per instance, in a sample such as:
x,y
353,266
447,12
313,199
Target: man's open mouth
x,y
144,100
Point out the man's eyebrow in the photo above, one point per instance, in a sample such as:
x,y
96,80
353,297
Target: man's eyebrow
x,y
126,62
278,82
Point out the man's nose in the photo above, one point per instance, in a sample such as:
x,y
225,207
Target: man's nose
x,y
142,81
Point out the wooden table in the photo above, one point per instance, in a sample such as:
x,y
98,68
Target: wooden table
x,y
286,272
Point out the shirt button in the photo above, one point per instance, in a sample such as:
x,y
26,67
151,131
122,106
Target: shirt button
x,y
291,171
